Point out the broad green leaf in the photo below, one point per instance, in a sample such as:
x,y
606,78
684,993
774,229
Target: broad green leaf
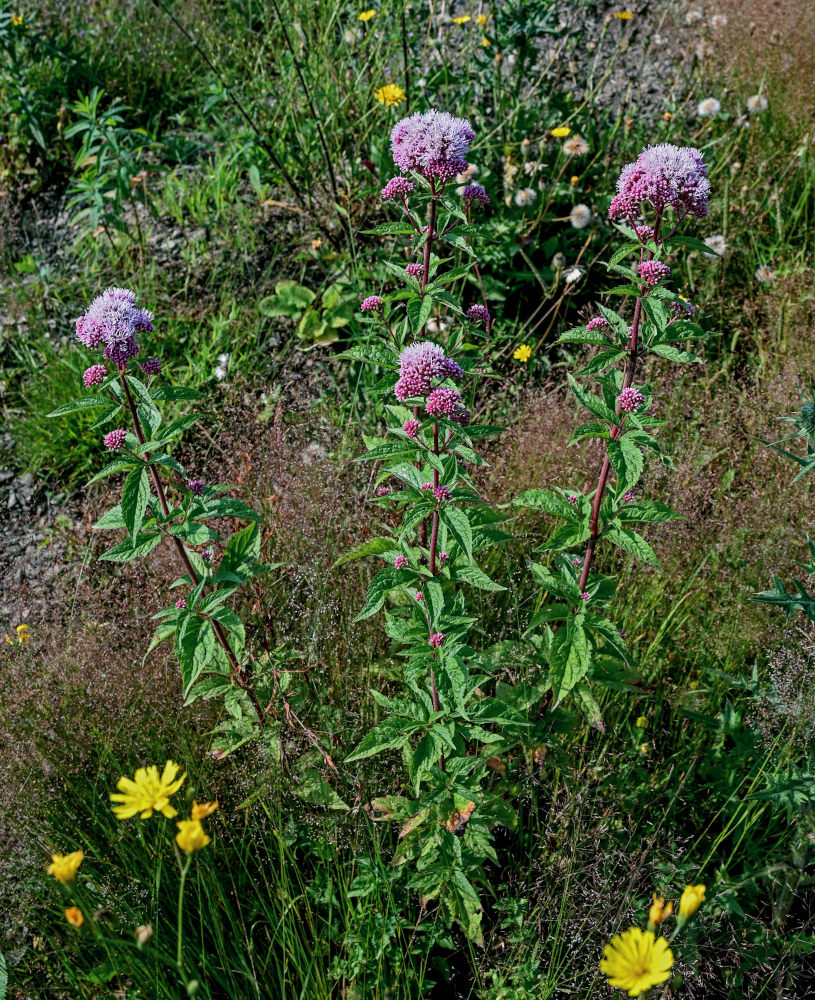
x,y
418,311
392,733
630,541
373,547
674,354
135,495
117,465
568,658
592,403
175,392
458,524
112,519
477,578
434,599
82,403
130,549
386,579
603,360
549,501
626,460
229,507
647,510
580,335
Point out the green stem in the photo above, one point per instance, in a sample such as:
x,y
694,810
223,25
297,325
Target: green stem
x,y
179,932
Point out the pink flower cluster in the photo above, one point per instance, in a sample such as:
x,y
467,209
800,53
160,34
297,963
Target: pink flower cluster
x,y
414,270
445,402
113,324
94,375
478,314
666,176
653,271
114,440
630,400
433,143
436,639
397,187
473,193
373,303
420,365
598,323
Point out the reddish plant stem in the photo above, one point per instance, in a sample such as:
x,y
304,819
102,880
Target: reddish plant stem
x,y
241,675
616,430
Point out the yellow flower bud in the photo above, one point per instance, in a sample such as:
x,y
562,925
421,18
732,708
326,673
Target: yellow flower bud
x,y
64,866
203,809
692,898
191,836
74,916
660,910
561,131
574,181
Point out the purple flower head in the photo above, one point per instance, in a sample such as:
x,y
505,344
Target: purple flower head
x,y
585,595
151,367
630,400
414,270
434,144
383,491
478,314
411,428
396,187
400,562
653,271
598,323
644,233
442,493
114,440
436,639
461,415
442,402
576,560
206,554
664,175
443,557
473,193
196,487
572,499
628,496
372,304
181,603
419,595
94,375
419,366
113,322
427,486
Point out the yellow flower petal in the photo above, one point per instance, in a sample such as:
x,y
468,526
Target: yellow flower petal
x,y
200,810
624,15
561,131
147,792
366,15
462,20
636,960
74,916
64,866
390,94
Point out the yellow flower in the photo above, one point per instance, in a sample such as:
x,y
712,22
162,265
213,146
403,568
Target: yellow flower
x,y
390,94
462,20
74,916
645,749
204,809
523,353
659,910
481,19
574,181
64,866
17,20
641,723
366,15
22,633
485,42
191,836
561,131
147,791
667,116
692,898
624,15
636,960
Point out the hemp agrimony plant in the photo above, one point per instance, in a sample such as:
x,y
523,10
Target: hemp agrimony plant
x,y
668,184
443,722
159,502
